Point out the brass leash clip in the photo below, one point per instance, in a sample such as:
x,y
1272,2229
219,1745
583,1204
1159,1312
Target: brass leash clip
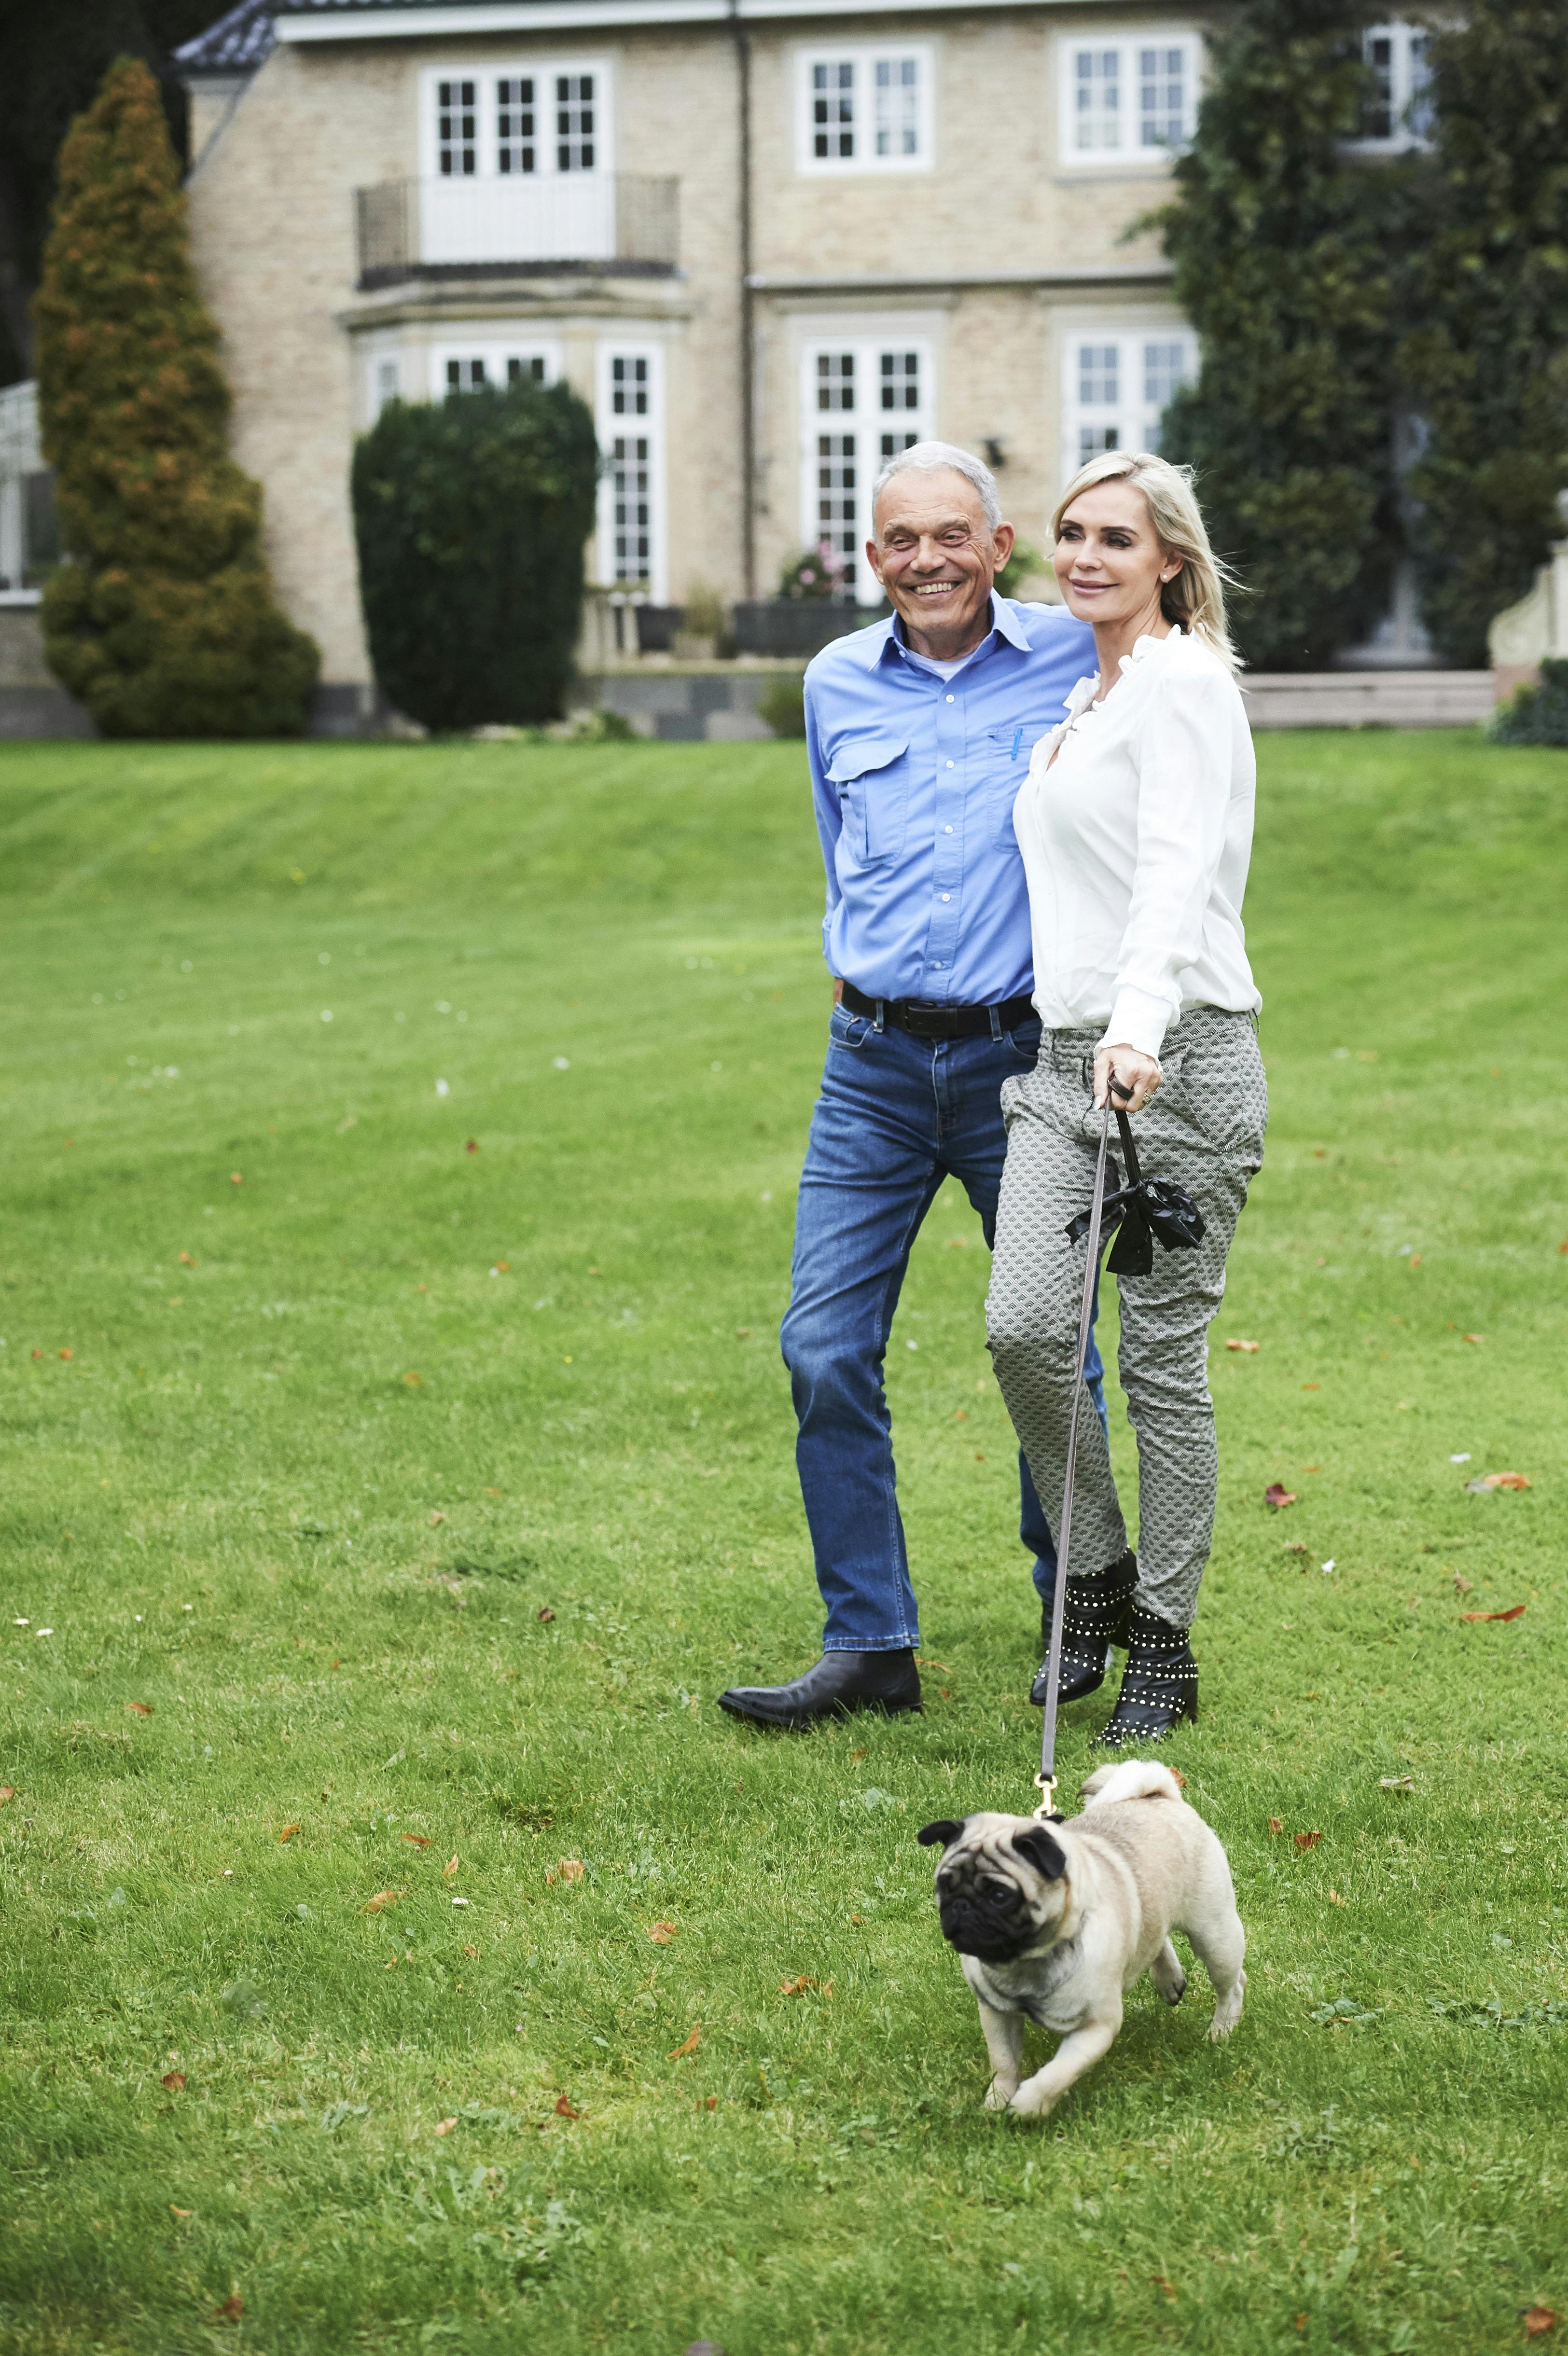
x,y
1047,1785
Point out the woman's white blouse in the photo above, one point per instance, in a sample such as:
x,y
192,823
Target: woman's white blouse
x,y
1135,842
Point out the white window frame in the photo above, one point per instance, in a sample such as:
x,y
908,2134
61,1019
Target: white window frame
x,y
1130,152
865,424
1407,80
863,59
1129,414
487,78
613,425
494,352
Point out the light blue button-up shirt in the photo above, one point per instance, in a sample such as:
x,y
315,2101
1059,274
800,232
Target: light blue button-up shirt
x,y
913,778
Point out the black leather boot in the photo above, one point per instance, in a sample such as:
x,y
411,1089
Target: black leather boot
x,y
839,1683
1094,1617
1159,1684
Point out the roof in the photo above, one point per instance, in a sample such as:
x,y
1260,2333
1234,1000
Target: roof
x,y
237,43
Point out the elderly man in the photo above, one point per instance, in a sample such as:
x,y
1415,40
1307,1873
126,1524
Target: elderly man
x,y
919,732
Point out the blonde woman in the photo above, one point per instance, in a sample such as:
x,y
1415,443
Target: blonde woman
x,y
1135,823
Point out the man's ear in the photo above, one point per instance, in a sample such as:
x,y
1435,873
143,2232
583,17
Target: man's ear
x,y
944,1830
1046,1854
874,558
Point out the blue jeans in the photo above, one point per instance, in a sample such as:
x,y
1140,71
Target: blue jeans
x,y
896,1116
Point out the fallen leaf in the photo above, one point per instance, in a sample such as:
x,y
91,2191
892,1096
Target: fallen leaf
x,y
142,1708
1415,1259
858,1754
232,2308
679,2052
1462,1586
444,2126
7,1791
563,2109
67,1354
1276,1826
1537,2321
1515,1612
413,1381
544,1612
180,2213
436,1520
1472,1338
1250,1347
472,1146
175,2081
1164,2282
382,1897
662,1933
711,2102
186,1261
1336,1898
1276,1494
795,1988
390,1967
1312,1387
416,1840
472,1951
449,1869
1178,1779
37,1354
236,1177
1507,1481
1307,1840
289,1832
1297,1545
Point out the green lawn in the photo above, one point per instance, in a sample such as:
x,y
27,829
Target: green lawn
x,y
411,1500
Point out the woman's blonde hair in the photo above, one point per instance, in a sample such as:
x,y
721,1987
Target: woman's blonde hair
x,y
1196,597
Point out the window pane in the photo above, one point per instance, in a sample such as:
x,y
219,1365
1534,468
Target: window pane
x,y
1093,439
836,492
900,379
1164,372
835,380
457,128
628,387
529,371
1162,97
898,106
631,506
573,122
463,375
1420,114
1097,100
1377,113
517,126
892,443
1099,378
833,112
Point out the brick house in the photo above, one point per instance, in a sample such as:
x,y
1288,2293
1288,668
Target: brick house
x,y
769,240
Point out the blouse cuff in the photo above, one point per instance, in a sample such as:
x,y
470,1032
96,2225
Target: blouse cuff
x,y
1138,1019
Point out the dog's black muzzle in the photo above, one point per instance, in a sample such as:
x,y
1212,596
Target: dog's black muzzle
x,y
981,1931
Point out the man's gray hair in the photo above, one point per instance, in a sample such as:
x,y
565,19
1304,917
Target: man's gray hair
x,y
940,457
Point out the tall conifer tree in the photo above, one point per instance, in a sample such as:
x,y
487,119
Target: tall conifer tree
x,y
1487,359
1281,244
162,619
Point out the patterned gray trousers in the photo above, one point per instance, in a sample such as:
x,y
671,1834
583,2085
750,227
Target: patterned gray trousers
x,y
1204,1128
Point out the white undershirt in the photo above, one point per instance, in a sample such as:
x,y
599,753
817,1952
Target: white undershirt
x,y
942,669
1136,838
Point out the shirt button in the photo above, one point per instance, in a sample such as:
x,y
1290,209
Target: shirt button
x,y
949,699
947,830
947,896
950,765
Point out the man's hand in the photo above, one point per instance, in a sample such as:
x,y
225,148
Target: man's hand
x,y
1133,1069
838,991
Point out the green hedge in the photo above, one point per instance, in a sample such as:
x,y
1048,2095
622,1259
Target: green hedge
x,y
471,519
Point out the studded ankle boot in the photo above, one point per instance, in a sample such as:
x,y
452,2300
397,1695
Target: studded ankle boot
x,y
1094,1614
1159,1684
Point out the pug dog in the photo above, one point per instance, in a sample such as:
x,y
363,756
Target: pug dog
x,y
1052,1922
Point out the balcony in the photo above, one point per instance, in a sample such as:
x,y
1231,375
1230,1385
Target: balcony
x,y
614,224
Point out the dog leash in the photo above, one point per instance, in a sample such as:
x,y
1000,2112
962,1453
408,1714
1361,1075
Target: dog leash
x,y
1046,1781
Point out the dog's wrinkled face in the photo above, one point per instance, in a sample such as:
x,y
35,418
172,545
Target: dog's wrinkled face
x,y
999,1885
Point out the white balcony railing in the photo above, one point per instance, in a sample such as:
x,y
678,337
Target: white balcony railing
x,y
603,221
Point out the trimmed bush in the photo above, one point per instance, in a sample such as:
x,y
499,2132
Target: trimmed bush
x,y
1283,247
782,705
1536,715
1486,357
471,519
162,619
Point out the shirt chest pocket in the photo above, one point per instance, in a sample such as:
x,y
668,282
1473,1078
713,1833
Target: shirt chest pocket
x,y
1008,752
872,775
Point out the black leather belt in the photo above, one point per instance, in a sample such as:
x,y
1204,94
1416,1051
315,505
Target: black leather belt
x,y
938,1021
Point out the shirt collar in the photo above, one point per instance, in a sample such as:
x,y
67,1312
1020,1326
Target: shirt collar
x,y
881,639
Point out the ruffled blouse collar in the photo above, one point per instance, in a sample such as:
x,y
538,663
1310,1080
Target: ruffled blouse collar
x,y
1086,699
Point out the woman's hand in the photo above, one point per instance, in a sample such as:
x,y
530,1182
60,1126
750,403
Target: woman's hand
x,y
1134,1070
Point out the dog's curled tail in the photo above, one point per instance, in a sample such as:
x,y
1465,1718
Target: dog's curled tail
x,y
1130,1779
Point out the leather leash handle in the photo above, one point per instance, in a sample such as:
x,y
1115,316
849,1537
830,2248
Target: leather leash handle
x,y
1046,1781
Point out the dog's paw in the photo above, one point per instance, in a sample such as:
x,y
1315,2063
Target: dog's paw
x,y
1219,2029
999,2094
1028,2103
